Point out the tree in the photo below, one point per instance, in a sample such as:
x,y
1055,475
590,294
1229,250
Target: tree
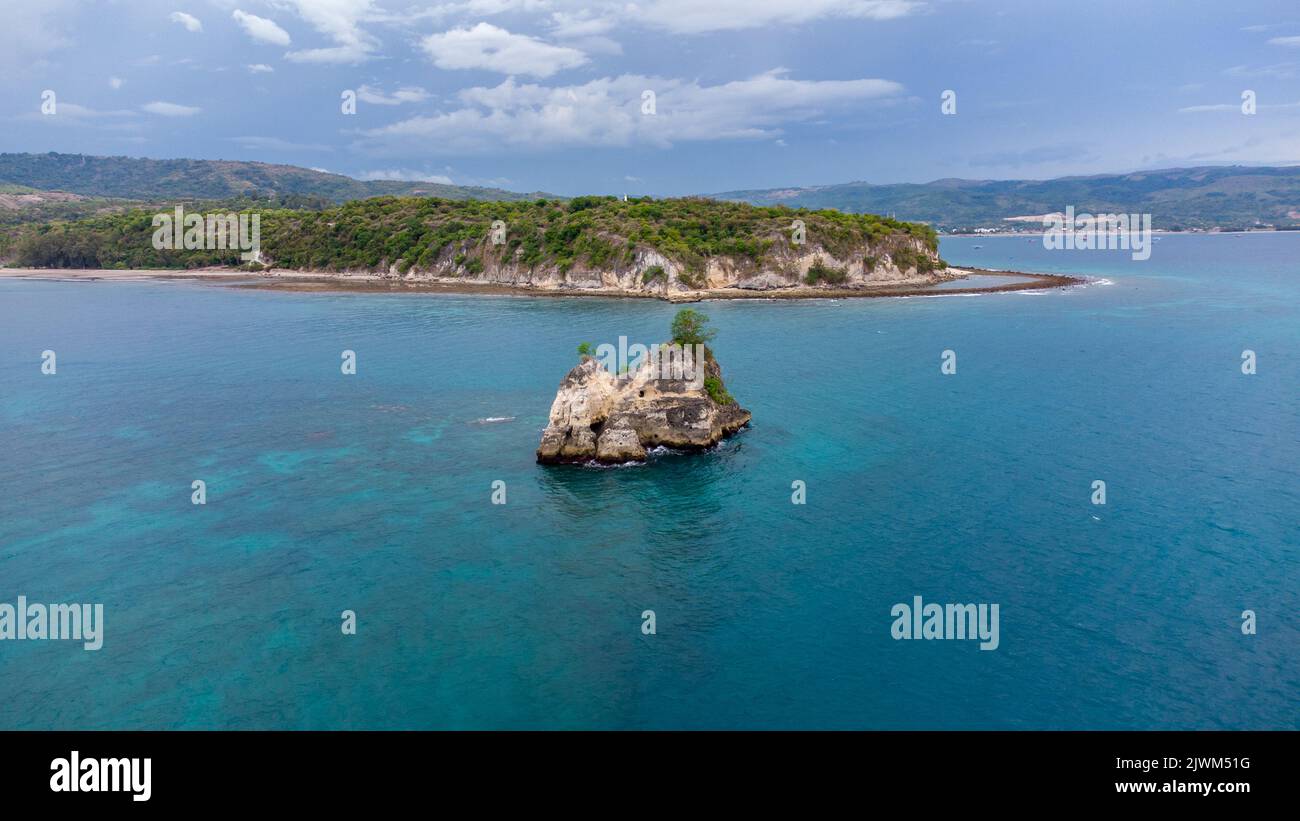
x,y
690,327
585,350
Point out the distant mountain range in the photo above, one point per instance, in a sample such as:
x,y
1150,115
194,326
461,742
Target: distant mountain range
x,y
1177,198
153,180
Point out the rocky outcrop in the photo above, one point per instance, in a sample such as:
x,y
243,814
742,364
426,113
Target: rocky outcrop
x,y
600,417
904,261
866,264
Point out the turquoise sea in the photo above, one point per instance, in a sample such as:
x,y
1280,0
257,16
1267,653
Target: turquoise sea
x,y
372,492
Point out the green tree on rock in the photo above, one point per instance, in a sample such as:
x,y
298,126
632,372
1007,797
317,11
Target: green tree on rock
x,y
691,327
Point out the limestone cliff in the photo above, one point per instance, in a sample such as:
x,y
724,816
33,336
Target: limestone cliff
x,y
597,416
905,261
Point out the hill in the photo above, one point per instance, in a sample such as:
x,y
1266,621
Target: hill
x,y
147,179
643,245
1180,198
1177,198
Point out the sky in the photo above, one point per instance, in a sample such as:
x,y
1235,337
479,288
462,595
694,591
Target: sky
x,y
659,97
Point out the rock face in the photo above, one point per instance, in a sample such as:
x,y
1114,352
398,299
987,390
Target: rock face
x,y
897,262
597,416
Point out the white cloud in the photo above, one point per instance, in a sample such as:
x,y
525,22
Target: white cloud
x,y
580,24
607,112
587,18
473,8
1234,107
339,20
1290,42
260,68
1200,109
486,46
115,83
405,94
189,21
582,27
170,109
277,144
696,17
1279,71
405,175
261,29
65,111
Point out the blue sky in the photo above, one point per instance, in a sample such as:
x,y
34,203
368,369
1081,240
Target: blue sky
x,y
550,94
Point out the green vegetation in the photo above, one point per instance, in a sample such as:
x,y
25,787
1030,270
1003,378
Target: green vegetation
x,y
454,236
907,258
691,327
692,278
820,272
51,207
713,386
655,273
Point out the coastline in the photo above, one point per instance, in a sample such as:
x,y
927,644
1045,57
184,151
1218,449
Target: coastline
x,y
1209,232
316,281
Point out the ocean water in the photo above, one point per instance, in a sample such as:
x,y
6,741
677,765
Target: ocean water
x,y
372,493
